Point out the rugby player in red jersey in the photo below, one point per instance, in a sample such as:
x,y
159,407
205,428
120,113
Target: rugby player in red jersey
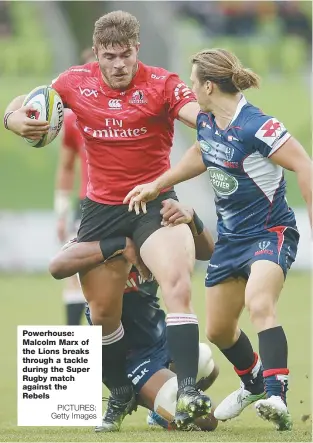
x,y
72,148
126,111
148,360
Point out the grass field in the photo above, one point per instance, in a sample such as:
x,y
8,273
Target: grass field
x,y
36,299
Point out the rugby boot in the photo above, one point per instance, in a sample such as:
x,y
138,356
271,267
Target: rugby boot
x,y
115,413
251,389
191,404
275,410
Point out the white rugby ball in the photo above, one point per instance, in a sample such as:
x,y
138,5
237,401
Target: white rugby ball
x,y
48,106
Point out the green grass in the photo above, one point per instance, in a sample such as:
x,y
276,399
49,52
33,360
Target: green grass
x,y
37,300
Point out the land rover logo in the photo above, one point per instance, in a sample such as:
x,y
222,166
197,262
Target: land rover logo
x,y
223,183
205,146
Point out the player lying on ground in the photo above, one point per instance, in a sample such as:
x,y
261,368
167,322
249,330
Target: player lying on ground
x,y
125,112
244,152
148,360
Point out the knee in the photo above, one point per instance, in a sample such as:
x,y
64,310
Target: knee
x,y
222,336
260,308
176,291
56,268
102,314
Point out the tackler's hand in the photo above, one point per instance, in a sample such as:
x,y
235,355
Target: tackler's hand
x,y
174,213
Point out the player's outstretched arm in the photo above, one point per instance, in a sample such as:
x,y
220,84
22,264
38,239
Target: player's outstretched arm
x,y
81,257
17,120
292,156
191,165
188,114
174,213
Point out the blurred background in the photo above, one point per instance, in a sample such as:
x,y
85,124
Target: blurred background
x,y
38,40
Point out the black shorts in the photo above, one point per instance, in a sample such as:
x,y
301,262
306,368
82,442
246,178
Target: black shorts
x,y
100,221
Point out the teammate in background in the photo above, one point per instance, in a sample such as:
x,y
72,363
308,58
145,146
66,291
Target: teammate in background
x,y
125,112
148,359
245,152
72,148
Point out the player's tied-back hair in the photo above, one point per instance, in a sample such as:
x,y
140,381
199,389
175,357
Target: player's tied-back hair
x,y
225,69
117,28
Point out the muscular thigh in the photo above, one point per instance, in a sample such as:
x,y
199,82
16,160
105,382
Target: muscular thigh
x,y
170,255
103,286
146,224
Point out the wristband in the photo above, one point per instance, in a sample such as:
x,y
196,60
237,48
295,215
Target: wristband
x,y
61,203
5,119
196,225
112,247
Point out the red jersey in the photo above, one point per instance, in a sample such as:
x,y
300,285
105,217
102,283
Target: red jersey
x,y
72,139
128,134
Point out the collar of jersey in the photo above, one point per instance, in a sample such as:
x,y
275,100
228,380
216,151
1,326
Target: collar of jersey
x,y
242,102
139,76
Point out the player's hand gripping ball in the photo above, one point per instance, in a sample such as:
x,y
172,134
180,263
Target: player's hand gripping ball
x,y
45,105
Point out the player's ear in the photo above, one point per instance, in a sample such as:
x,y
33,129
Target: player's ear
x,y
209,87
137,47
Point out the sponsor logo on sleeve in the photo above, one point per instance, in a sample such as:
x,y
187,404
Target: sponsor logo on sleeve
x,y
270,132
182,91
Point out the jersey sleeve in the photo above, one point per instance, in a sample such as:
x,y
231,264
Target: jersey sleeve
x,y
69,136
61,85
177,94
268,134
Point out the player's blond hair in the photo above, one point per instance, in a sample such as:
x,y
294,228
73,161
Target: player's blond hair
x,y
225,69
117,28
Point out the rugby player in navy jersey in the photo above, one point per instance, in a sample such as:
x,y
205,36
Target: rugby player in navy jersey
x,y
148,360
245,153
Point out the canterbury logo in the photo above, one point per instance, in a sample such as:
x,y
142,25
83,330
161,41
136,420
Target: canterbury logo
x,y
115,103
88,92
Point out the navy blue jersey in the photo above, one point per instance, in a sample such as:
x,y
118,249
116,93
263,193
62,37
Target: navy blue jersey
x,y
250,190
143,319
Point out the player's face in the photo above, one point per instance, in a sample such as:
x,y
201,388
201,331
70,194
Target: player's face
x,y
202,91
118,64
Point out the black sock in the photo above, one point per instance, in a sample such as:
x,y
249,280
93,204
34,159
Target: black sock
x,y
274,354
273,348
241,354
183,343
114,364
74,313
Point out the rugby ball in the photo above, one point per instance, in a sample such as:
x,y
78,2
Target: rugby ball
x,y
48,106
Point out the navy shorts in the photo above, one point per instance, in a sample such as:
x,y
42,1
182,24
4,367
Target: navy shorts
x,y
143,363
233,257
